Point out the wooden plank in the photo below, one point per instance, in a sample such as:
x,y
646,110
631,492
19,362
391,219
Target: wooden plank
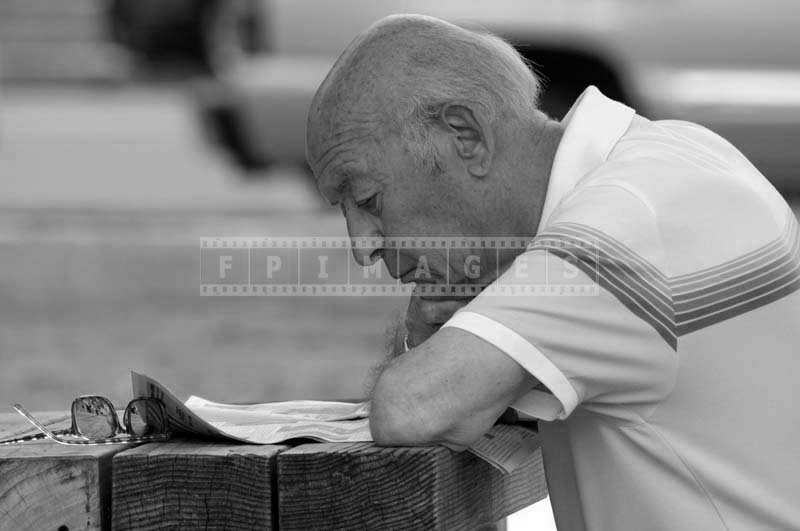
x,y
362,486
192,485
44,485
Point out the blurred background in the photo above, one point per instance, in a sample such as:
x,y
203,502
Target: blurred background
x,y
131,128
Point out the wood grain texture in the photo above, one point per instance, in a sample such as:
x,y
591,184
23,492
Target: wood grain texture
x,y
44,485
362,486
193,485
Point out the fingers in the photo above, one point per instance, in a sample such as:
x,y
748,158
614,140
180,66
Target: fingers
x,y
425,316
418,320
433,311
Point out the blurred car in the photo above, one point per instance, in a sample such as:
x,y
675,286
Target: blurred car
x,y
206,35
730,65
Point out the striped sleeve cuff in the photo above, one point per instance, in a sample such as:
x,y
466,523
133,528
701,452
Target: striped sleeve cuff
x,y
538,404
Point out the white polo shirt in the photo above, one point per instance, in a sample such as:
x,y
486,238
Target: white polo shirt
x,y
671,391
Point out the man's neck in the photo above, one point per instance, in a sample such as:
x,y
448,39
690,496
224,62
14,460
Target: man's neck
x,y
529,175
536,163
542,157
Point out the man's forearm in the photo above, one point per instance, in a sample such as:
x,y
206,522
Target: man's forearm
x,y
402,414
449,390
422,395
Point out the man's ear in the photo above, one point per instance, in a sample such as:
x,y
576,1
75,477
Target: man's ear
x,y
472,137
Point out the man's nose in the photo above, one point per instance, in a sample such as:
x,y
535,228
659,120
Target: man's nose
x,y
367,256
366,238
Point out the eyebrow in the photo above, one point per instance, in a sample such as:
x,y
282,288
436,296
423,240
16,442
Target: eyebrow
x,y
340,189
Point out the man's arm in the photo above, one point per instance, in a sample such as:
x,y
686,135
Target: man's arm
x,y
449,390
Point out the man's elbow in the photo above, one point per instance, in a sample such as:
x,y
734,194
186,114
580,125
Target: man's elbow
x,y
398,418
388,428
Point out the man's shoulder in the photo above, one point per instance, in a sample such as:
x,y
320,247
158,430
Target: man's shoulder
x,y
677,142
671,157
678,195
609,217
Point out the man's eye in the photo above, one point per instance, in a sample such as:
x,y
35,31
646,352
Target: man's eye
x,y
370,204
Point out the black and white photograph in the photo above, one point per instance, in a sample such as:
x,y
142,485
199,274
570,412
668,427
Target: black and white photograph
x,y
509,265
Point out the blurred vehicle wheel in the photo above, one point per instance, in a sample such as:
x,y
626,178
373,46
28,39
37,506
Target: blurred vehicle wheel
x,y
257,111
210,35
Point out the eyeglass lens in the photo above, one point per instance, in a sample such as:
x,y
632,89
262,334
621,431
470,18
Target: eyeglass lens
x,y
94,417
145,416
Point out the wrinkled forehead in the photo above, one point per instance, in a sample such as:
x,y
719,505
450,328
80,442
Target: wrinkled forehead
x,y
347,105
322,129
346,127
340,157
335,140
333,124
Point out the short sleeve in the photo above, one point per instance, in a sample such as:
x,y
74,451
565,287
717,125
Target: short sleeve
x,y
585,310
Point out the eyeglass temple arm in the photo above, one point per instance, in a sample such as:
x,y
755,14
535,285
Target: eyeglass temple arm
x,y
41,427
35,436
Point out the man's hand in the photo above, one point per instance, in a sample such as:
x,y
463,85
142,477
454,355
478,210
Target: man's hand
x,y
426,315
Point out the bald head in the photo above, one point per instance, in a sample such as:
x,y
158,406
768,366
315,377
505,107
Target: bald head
x,y
403,69
413,98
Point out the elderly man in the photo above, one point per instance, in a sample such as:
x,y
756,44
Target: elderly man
x,y
667,395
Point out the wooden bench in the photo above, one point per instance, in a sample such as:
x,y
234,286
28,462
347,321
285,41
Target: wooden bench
x,y
192,484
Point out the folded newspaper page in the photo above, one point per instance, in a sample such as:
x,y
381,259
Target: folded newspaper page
x,y
505,447
260,423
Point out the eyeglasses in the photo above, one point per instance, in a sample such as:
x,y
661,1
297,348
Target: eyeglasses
x,y
95,421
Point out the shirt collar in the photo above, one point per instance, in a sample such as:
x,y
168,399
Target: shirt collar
x,y
592,127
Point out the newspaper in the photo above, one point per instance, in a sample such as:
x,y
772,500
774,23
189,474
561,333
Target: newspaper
x,y
270,423
505,447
